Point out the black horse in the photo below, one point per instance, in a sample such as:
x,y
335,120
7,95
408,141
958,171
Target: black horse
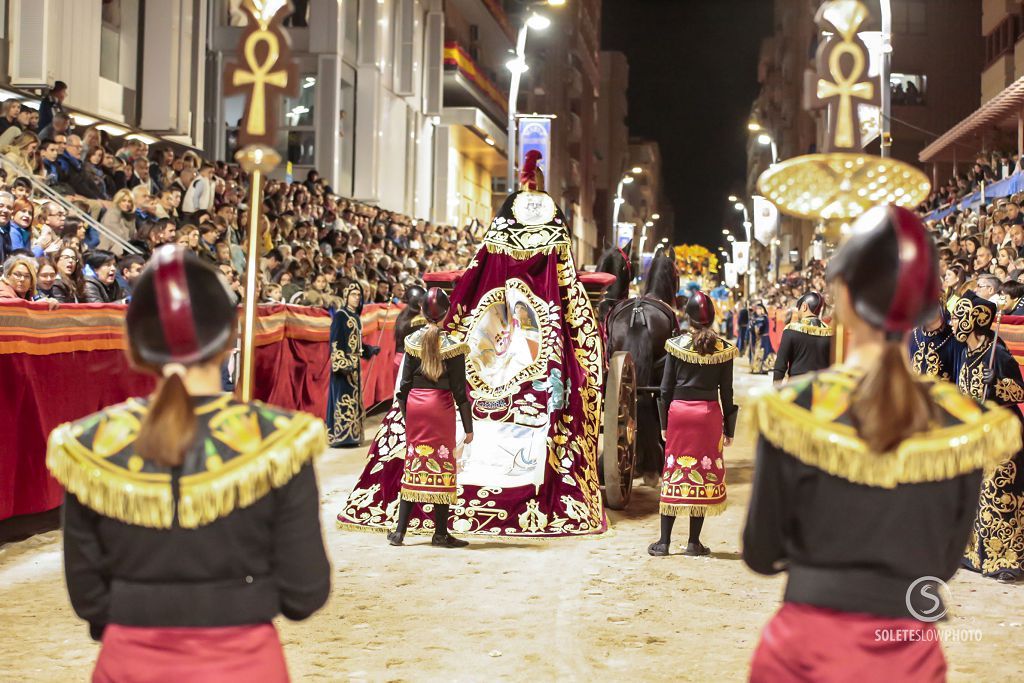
x,y
616,261
641,326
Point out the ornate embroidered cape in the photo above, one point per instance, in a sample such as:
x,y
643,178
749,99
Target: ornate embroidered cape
x,y
534,369
242,451
682,348
449,345
809,419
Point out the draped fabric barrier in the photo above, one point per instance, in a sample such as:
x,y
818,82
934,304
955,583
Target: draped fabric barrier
x,y
62,365
380,372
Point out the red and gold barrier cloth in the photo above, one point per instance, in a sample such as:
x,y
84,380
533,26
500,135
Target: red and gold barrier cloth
x,y
61,365
379,373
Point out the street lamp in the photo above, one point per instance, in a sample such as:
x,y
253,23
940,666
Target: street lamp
x,y
636,170
766,139
655,216
518,67
886,142
725,231
730,238
754,127
733,198
619,201
741,207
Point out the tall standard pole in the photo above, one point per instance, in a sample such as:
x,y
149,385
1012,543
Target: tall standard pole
x,y
252,260
886,71
513,104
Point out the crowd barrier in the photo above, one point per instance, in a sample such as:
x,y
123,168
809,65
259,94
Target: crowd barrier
x,y
61,365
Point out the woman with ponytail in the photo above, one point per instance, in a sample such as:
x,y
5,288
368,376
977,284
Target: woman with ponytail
x,y
867,477
191,520
433,384
698,420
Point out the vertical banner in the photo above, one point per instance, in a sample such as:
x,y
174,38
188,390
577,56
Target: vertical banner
x,y
535,133
731,280
623,234
766,220
741,256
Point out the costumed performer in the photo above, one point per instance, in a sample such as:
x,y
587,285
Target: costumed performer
x,y
761,341
934,350
867,478
987,371
806,345
698,419
433,384
345,397
191,520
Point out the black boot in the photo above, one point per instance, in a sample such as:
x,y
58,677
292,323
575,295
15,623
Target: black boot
x,y
693,544
441,537
660,548
397,537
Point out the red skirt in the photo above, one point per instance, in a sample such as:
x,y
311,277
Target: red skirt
x,y
429,474
807,643
227,654
693,481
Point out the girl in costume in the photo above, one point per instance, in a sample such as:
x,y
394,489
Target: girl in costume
x,y
698,418
191,520
345,397
867,478
433,384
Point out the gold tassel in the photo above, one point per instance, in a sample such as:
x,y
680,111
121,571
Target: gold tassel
x,y
813,330
208,496
139,499
938,455
716,358
440,497
670,510
523,254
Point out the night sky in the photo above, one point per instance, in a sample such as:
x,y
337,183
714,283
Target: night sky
x,y
692,81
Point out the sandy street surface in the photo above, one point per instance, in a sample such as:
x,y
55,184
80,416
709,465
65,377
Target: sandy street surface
x,y
588,609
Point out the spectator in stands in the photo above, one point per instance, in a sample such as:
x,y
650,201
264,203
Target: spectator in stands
x,y
70,282
49,150
48,239
22,152
22,123
19,278
101,286
141,176
161,169
21,188
6,206
53,103
61,125
93,170
200,194
46,275
22,215
119,219
73,171
148,236
12,107
129,268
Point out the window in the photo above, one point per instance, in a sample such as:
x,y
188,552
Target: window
x,y
296,139
110,41
909,17
908,89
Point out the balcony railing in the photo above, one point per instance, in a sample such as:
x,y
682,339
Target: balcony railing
x,y
458,61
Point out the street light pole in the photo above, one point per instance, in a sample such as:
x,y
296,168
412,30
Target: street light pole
x,y
513,103
619,201
886,71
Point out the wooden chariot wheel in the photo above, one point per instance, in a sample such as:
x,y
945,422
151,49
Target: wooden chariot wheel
x,y
618,452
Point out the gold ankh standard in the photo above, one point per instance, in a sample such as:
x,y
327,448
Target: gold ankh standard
x,y
844,58
260,76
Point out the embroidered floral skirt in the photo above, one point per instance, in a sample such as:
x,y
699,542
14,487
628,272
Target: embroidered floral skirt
x,y
693,481
997,540
429,474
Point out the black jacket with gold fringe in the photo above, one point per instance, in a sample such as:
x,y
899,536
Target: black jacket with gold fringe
x,y
453,377
855,528
806,346
693,376
230,537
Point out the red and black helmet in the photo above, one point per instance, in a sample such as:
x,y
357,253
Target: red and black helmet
x,y
436,305
700,309
814,300
891,267
164,325
414,297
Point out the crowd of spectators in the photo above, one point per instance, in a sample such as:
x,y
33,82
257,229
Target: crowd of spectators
x,y
987,168
314,242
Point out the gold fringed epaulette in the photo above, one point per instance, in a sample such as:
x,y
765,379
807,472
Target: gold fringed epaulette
x,y
942,453
449,346
813,330
681,348
132,497
418,321
208,496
